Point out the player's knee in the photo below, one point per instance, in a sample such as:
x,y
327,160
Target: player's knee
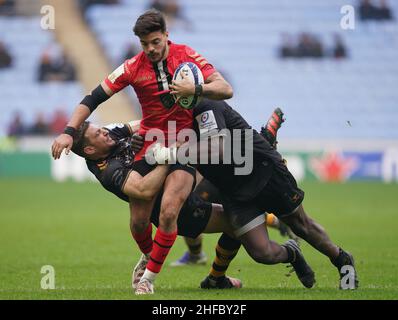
x,y
139,225
168,215
173,200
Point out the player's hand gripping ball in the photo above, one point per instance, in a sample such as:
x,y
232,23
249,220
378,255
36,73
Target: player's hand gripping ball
x,y
190,71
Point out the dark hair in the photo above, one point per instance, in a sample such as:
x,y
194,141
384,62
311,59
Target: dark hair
x,y
79,140
150,21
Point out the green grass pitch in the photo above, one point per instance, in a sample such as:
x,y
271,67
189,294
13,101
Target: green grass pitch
x,y
82,231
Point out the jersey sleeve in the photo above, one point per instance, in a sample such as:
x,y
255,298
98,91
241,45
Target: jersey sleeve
x,y
206,68
115,176
119,78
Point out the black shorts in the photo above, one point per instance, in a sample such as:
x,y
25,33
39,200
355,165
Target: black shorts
x,y
281,196
208,191
143,168
193,217
242,215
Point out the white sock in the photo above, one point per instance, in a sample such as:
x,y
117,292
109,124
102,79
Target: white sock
x,y
149,275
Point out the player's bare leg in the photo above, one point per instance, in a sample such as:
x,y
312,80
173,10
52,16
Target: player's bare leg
x,y
194,255
177,188
265,251
313,233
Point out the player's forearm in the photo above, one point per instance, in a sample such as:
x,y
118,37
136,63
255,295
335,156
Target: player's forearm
x,y
153,181
80,114
145,188
217,90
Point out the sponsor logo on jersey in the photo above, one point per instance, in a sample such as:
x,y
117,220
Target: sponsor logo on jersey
x,y
199,213
204,117
144,78
295,198
206,122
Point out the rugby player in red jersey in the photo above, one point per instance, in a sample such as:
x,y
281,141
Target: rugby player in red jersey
x,y
150,74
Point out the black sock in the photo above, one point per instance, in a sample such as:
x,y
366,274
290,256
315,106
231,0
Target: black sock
x,y
195,249
226,250
291,254
342,259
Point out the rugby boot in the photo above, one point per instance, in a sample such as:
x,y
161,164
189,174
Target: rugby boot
x,y
345,259
270,130
139,270
223,282
300,266
144,287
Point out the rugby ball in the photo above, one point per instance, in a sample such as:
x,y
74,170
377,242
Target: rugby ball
x,y
192,72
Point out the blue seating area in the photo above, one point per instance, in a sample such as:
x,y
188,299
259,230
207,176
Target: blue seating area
x,y
242,39
19,88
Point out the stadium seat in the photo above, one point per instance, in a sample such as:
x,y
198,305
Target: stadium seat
x,y
20,90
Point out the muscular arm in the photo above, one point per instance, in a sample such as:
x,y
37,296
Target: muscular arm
x,y
217,88
81,113
147,187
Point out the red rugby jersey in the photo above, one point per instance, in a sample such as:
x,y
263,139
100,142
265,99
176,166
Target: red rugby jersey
x,y
151,83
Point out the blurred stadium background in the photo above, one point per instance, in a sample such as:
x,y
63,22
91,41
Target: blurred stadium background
x,y
338,89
